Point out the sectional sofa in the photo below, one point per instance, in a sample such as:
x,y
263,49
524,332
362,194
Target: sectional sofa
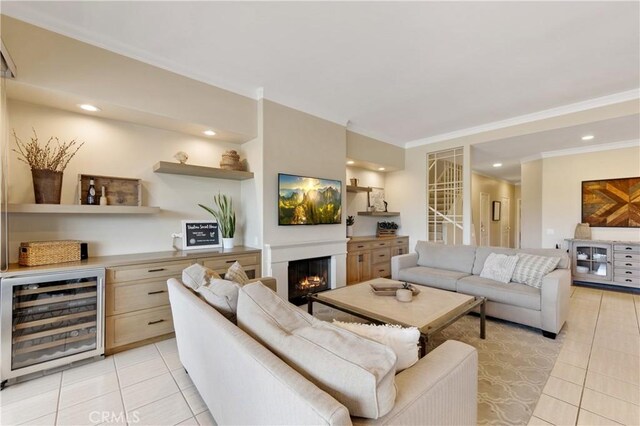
x,y
457,268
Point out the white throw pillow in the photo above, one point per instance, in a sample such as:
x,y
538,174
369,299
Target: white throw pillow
x,y
236,274
403,341
357,372
222,295
499,267
197,275
531,269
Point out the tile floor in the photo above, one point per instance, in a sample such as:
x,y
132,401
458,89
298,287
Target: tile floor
x,y
143,386
596,379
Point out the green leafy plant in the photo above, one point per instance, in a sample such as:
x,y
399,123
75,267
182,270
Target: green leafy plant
x,y
387,225
224,214
350,220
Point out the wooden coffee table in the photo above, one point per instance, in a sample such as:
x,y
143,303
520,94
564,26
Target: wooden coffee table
x,y
430,311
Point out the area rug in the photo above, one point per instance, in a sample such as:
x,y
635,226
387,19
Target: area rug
x,y
514,364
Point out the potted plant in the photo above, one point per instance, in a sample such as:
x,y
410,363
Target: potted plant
x,y
386,229
226,217
350,221
47,164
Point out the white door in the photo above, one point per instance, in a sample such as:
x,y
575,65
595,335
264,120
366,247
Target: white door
x,y
485,219
518,223
505,225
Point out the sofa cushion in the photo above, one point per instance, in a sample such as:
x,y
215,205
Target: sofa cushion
x,y
403,341
432,277
197,275
483,252
514,294
222,295
356,371
236,274
530,269
451,257
499,267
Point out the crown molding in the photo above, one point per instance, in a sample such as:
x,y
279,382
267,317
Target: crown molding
x,y
527,118
583,150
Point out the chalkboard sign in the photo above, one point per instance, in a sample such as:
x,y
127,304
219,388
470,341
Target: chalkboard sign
x,y
200,234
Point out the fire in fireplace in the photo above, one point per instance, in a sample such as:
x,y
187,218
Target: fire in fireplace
x,y
308,276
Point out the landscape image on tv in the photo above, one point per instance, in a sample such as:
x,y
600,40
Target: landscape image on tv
x,y
308,201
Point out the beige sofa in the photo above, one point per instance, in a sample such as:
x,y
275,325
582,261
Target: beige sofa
x,y
242,382
457,268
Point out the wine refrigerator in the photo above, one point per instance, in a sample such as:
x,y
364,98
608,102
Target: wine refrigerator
x,y
49,320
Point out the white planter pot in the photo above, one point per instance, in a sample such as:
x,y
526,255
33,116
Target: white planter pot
x,y
350,231
227,243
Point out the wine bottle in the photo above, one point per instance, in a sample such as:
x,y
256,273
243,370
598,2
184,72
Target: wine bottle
x,y
91,193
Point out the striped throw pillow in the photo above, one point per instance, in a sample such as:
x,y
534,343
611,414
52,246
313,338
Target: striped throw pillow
x,y
499,267
530,269
236,274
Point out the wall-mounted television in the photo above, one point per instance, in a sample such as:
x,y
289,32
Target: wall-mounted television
x,y
304,200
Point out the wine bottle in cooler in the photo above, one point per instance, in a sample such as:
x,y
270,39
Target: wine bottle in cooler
x,y
91,193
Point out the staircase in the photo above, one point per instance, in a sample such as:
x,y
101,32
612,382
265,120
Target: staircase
x,y
444,203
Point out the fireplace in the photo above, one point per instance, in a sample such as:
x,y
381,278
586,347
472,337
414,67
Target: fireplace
x,y
308,276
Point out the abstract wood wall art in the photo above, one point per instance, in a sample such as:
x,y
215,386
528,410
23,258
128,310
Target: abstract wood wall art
x,y
611,203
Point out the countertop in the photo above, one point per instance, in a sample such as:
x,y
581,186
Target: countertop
x,y
374,238
603,241
122,259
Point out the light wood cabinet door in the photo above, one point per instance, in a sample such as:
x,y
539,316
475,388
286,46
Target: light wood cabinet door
x,y
358,267
397,251
137,326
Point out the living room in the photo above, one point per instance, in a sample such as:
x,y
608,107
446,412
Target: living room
x,y
300,90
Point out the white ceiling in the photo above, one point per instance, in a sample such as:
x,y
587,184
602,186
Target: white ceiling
x,y
399,71
511,151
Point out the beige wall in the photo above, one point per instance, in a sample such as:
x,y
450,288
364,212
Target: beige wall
x,y
373,151
357,202
531,186
115,148
562,191
497,190
300,144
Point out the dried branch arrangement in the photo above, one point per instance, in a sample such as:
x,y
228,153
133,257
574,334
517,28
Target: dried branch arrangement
x,y
54,157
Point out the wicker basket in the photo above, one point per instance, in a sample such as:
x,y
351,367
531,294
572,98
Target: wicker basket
x,y
47,252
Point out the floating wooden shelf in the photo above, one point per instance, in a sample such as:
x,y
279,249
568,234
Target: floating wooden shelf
x,y
201,171
80,209
379,214
351,188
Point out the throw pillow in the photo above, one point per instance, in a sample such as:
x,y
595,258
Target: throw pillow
x,y
197,275
358,372
530,269
222,295
402,341
499,267
236,274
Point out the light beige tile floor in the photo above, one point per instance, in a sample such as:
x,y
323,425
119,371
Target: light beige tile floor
x,y
596,379
143,386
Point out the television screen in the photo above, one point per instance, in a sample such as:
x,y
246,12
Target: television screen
x,y
305,200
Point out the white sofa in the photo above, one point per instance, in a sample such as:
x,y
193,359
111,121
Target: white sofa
x,y
457,268
243,383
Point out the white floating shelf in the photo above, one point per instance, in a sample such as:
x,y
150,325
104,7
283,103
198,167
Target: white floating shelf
x,y
201,171
80,209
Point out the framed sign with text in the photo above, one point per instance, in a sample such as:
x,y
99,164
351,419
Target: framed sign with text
x,y
200,234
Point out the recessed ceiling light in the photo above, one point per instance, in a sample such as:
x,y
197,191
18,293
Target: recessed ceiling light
x,y
350,162
88,107
209,133
587,137
497,164
381,168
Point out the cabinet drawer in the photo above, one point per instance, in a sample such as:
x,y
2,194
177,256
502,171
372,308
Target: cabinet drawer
x,y
223,262
626,264
382,270
146,271
378,244
401,241
397,251
358,246
380,255
626,248
635,257
620,272
629,281
129,297
129,328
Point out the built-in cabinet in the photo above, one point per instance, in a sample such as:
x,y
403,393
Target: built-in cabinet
x,y
605,262
370,257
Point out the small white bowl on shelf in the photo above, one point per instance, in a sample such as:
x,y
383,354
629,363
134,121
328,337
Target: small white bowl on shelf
x,y
582,256
582,269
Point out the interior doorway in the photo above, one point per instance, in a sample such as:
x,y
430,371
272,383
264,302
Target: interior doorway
x,y
505,222
485,219
518,223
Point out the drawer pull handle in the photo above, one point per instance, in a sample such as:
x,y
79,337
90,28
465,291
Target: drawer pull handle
x,y
155,322
156,292
360,246
628,272
628,256
628,264
628,280
381,255
156,270
380,270
628,248
231,261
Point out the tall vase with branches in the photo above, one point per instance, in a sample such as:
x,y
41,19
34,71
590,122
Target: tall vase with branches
x,y
225,214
